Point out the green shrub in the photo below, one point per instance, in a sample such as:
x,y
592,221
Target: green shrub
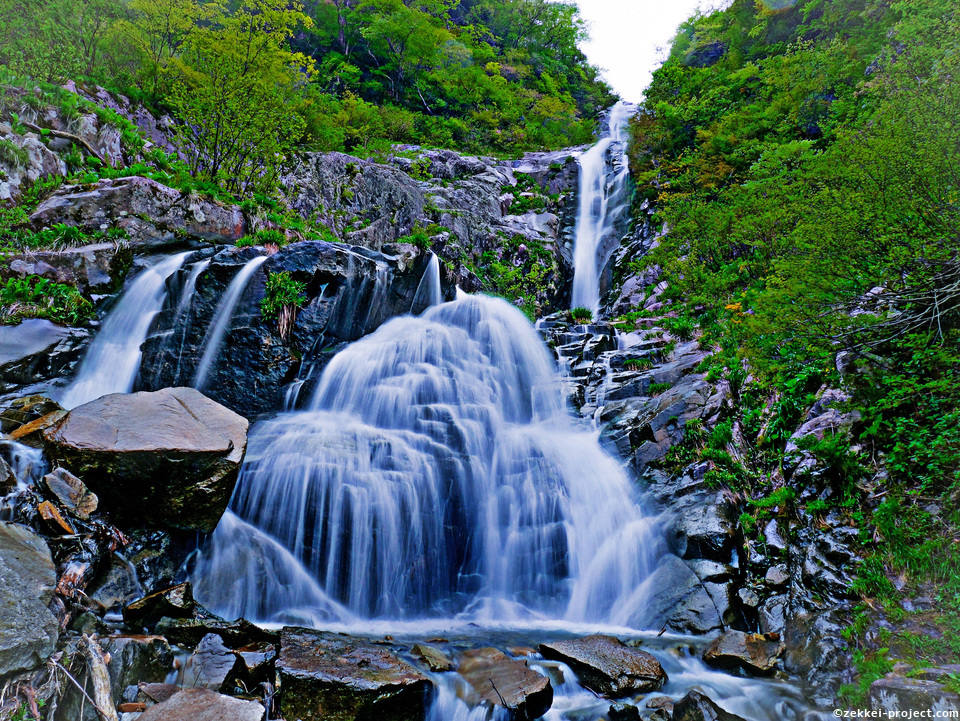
x,y
638,363
581,315
656,389
284,297
13,154
36,297
265,236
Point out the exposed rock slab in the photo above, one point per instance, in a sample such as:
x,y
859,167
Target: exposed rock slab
x,y
70,492
36,350
607,665
152,214
163,459
753,652
200,704
497,680
93,268
897,694
332,677
28,630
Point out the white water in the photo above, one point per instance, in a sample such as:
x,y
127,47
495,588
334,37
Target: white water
x,y
113,359
429,291
435,474
603,202
222,316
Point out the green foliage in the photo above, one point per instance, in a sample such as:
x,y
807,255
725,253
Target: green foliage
x,y
656,389
519,270
581,315
283,292
36,297
265,236
422,236
12,154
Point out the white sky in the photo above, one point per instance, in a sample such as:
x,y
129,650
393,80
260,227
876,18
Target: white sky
x,y
629,38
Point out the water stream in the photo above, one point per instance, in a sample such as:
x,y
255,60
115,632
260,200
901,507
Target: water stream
x,y
113,359
603,204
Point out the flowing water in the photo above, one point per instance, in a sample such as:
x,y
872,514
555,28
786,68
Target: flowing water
x,y
113,359
221,320
603,205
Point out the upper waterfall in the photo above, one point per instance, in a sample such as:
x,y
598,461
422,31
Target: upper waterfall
x,y
435,473
603,204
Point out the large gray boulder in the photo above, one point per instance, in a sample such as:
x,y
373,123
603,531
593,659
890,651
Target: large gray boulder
x,y
332,677
166,459
200,704
607,665
28,629
152,214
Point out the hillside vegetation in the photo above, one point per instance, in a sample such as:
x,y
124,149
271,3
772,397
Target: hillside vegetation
x,y
805,160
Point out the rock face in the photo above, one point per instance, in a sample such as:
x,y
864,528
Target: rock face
x,y
500,681
153,215
36,350
200,704
28,630
350,292
697,707
96,268
607,665
329,677
164,459
897,694
752,652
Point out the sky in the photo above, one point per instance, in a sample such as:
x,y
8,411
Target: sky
x,y
629,38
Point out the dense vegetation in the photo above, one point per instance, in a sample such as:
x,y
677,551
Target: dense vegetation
x,y
484,75
805,160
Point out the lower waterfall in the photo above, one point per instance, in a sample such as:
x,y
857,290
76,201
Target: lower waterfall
x,y
435,473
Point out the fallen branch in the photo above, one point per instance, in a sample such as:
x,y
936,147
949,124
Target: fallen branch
x,y
100,677
68,136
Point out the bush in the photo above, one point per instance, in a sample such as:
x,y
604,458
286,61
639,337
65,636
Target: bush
x,y
284,297
36,297
581,315
266,236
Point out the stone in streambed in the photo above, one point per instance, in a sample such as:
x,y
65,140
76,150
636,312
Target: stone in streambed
x,y
28,630
755,653
697,707
497,680
895,693
70,492
200,704
607,665
433,657
174,602
333,677
212,665
166,459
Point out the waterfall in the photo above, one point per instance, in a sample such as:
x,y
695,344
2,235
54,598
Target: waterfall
x,y
221,320
435,472
113,359
429,291
603,203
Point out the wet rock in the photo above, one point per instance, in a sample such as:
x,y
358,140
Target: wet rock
x,y
175,602
8,480
897,694
164,459
96,268
70,492
753,652
256,662
25,409
189,632
200,704
607,665
679,601
212,665
152,214
697,707
748,597
499,681
31,433
116,586
28,630
332,677
773,615
433,657
623,712
777,576
33,351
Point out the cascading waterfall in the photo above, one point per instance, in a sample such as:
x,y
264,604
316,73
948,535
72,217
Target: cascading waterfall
x,y
222,316
113,359
603,203
435,473
429,291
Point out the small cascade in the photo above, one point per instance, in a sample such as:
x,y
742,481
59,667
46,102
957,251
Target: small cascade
x,y
429,292
113,359
186,298
604,202
221,320
435,473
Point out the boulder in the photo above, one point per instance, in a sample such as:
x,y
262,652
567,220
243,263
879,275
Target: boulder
x,y
41,162
200,704
212,665
174,602
697,707
28,629
753,652
333,677
167,459
96,268
500,681
435,659
36,350
70,492
623,712
897,694
25,409
152,214
607,665
186,631
679,600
